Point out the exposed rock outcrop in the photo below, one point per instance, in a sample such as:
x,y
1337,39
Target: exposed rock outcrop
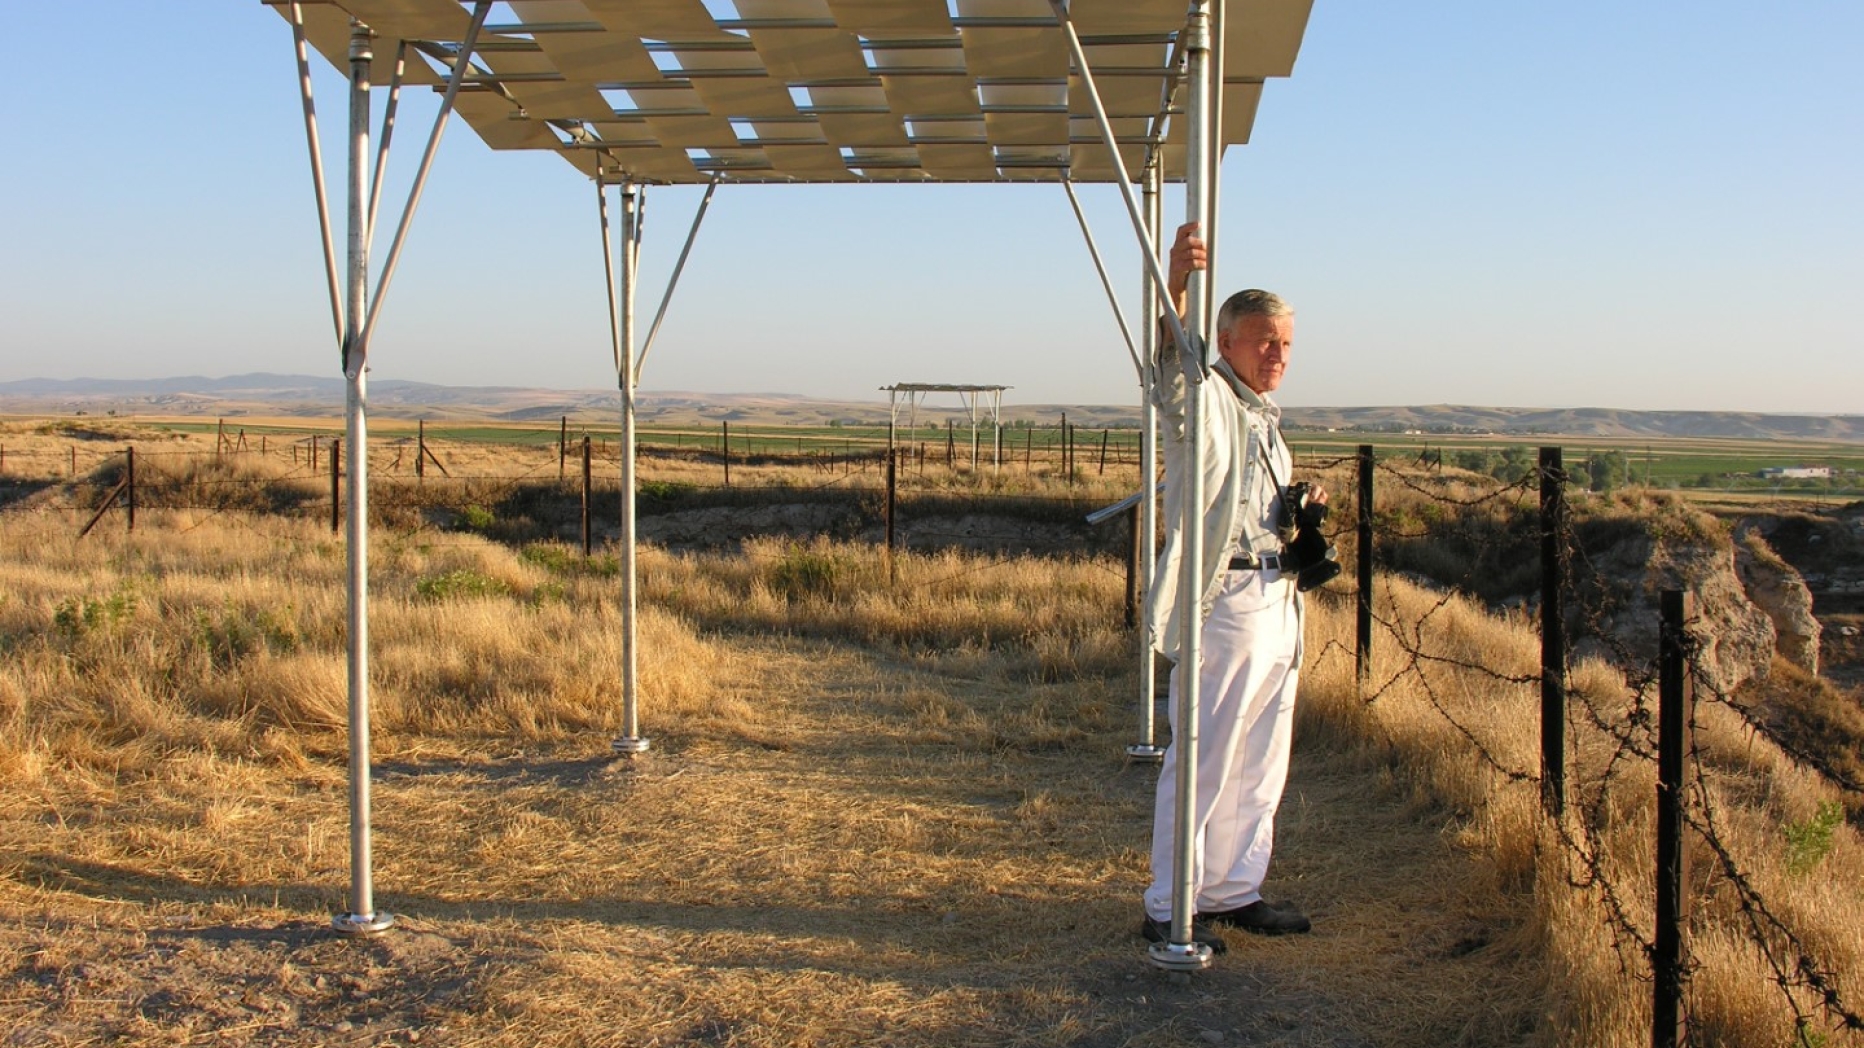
x,y
1782,594
1626,566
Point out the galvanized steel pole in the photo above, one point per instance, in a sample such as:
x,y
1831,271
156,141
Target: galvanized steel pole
x,y
1150,298
1182,952
317,169
388,137
362,918
1153,252
1093,249
461,64
1213,160
631,740
679,267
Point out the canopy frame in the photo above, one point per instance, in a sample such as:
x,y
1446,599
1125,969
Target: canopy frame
x,y
970,397
964,145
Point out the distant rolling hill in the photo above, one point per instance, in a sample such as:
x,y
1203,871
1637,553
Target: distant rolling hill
x,y
322,397
1582,422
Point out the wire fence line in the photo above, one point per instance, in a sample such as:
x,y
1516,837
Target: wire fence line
x,y
1627,726
223,484
545,497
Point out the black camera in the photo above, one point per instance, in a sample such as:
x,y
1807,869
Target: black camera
x,y
1305,549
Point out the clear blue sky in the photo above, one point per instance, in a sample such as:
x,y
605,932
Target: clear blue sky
x,y
1652,205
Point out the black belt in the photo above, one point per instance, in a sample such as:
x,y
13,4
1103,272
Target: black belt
x,y
1256,562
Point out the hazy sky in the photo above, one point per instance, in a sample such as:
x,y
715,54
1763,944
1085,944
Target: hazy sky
x,y
1653,205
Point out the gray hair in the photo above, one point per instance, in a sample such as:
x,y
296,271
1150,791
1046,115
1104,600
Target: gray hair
x,y
1253,302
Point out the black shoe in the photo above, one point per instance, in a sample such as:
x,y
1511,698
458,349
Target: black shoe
x,y
1262,918
1160,931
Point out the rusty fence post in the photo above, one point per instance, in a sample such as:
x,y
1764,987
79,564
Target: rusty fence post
x,y
129,481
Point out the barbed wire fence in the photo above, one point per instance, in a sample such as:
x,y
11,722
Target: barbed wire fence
x,y
434,489
1647,727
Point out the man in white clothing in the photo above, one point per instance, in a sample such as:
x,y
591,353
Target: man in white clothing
x,y
1250,615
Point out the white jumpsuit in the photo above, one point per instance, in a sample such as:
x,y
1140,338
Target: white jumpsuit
x,y
1251,654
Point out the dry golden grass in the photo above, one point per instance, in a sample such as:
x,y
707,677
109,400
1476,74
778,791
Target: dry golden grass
x,y
885,805
1438,720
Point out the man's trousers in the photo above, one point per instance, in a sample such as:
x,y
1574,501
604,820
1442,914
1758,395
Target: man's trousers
x,y
1251,645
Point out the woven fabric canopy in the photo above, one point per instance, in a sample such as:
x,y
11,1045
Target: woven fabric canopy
x,y
683,91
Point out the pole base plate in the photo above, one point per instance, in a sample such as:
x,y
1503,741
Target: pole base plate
x,y
1145,752
1173,957
630,744
362,925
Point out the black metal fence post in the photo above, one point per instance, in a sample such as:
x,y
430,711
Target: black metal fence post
x,y
1552,632
129,480
893,495
588,545
336,482
893,491
1675,692
1362,649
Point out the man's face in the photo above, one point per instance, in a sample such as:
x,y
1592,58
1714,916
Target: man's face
x,y
1256,347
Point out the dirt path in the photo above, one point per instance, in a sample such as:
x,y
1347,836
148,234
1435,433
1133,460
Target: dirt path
x,y
882,853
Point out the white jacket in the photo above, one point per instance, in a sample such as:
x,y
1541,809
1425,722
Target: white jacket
x,y
1238,427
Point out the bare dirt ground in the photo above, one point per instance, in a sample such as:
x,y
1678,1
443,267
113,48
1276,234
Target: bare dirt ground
x,y
839,874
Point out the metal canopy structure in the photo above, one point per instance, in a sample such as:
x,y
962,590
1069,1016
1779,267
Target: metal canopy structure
x,y
968,395
810,91
640,92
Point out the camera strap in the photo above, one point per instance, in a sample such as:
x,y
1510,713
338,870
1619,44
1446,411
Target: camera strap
x,y
1245,528
1268,460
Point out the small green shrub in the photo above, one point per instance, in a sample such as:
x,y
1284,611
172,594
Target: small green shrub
x,y
461,584
665,490
477,518
77,616
232,634
553,558
1809,842
564,561
802,573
